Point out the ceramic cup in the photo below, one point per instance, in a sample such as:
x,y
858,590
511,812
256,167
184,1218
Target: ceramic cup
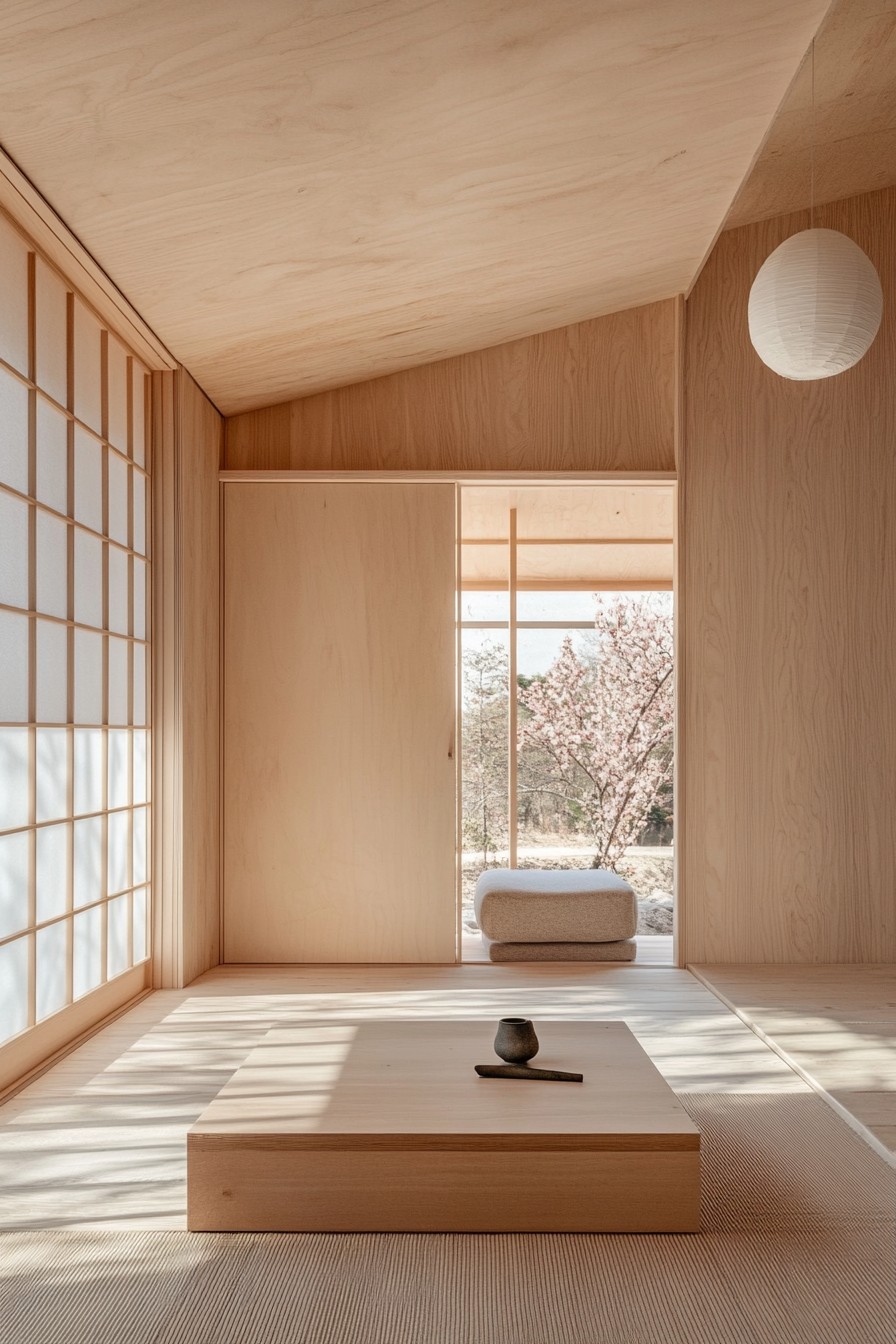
x,y
516,1042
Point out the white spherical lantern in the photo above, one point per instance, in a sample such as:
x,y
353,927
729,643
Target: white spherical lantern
x,y
815,306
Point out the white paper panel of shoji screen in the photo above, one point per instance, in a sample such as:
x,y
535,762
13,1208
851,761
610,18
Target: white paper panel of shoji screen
x,y
74,579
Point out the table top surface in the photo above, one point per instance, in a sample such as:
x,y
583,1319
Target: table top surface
x,y
347,1080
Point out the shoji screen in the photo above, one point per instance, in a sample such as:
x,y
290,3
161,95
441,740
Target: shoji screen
x,y
74,586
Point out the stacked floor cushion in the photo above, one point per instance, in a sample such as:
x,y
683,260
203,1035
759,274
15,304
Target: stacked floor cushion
x,y
556,915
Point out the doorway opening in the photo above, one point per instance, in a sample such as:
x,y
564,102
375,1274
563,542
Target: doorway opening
x,y
566,670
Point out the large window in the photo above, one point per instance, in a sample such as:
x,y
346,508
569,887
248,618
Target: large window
x,y
74,653
567,686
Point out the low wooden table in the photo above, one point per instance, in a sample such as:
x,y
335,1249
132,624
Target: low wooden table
x,y
385,1127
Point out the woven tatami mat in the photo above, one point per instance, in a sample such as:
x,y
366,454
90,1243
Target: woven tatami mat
x,y
797,1248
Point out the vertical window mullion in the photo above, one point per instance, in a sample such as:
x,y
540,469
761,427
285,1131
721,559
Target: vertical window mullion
x,y
70,403
32,640
70,720
131,581
104,422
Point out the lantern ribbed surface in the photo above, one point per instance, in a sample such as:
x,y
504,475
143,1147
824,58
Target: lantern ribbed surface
x,y
815,306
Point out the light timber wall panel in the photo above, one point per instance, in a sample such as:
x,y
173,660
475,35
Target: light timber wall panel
x,y
597,396
202,444
788,728
339,676
187,841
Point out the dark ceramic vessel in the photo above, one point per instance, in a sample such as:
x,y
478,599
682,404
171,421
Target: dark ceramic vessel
x,y
516,1041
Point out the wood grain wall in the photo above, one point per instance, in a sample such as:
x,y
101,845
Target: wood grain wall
x,y
188,449
788,567
202,435
597,396
339,722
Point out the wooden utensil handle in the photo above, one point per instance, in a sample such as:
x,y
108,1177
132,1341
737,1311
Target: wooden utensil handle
x,y
530,1075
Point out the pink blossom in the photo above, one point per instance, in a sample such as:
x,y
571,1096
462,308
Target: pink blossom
x,y
604,723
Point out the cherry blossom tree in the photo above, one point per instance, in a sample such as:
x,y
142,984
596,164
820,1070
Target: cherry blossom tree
x,y
603,723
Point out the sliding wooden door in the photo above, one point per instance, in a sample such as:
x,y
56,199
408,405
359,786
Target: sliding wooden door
x,y
339,716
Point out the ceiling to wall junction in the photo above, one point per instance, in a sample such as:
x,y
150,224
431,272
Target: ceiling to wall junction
x,y
854,122
297,196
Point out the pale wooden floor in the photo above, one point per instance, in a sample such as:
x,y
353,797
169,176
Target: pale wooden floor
x,y
836,1023
99,1140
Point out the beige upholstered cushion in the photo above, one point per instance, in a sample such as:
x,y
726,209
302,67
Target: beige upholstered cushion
x,y
618,951
531,905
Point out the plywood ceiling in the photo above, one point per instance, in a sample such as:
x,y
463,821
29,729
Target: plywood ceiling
x,y
601,513
586,536
855,119
297,196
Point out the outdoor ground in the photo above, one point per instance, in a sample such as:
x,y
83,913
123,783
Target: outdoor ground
x,y
647,868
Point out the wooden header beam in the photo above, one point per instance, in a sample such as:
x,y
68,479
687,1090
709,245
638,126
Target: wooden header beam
x,y
630,478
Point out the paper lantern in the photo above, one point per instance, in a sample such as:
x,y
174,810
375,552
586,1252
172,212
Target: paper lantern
x,y
815,306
